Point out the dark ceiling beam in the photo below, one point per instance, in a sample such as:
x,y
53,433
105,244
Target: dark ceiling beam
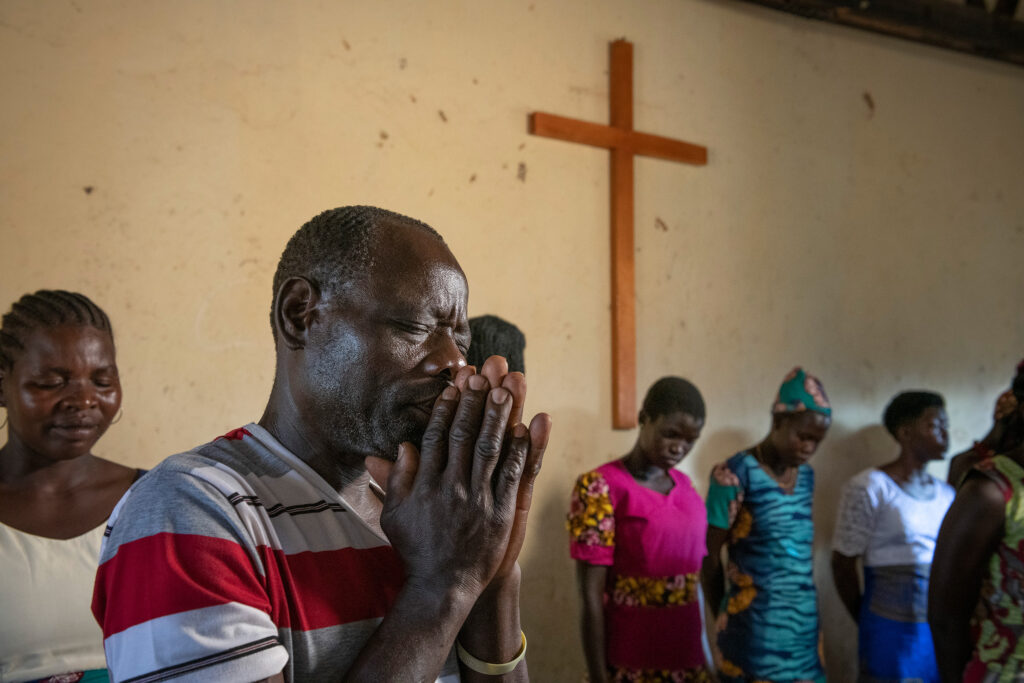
x,y
972,29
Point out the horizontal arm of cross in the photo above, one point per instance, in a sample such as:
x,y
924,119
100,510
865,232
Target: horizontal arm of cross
x,y
609,137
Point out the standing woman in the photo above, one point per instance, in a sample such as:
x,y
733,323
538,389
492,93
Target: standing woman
x,y
768,621
889,517
60,388
976,592
636,531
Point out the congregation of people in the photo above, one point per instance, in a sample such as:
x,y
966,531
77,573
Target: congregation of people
x,y
368,525
673,588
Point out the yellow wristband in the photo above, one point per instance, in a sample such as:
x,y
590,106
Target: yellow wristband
x,y
482,667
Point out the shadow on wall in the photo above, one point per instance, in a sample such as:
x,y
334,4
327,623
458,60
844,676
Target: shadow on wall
x,y
843,454
550,608
715,447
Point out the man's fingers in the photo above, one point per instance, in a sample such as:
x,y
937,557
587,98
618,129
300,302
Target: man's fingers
x,y
464,430
487,451
515,382
402,474
494,369
462,376
511,480
540,432
434,455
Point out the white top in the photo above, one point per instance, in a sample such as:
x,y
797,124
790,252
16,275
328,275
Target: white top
x,y
46,624
885,524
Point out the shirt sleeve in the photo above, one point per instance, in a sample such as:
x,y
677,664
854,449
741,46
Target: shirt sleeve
x,y
180,592
856,520
720,496
591,521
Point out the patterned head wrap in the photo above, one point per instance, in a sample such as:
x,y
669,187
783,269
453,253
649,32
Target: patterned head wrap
x,y
799,392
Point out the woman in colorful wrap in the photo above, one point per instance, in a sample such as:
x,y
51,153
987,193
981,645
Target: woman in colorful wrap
x,y
636,531
889,517
976,593
759,509
60,388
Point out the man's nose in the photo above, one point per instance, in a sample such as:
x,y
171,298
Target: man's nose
x,y
445,355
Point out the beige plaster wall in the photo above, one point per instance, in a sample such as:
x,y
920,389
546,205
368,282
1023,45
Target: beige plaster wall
x,y
861,212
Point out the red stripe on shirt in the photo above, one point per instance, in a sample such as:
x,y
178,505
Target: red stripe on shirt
x,y
169,573
312,590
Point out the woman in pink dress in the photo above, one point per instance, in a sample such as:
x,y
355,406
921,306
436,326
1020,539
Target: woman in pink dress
x,y
637,532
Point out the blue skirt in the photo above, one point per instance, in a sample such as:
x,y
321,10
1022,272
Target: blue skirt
x,y
895,643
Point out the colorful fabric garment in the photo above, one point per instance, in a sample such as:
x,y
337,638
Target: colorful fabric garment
x,y
236,561
46,628
770,607
801,392
653,545
895,535
998,624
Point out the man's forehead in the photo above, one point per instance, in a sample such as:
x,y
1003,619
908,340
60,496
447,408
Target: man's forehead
x,y
410,264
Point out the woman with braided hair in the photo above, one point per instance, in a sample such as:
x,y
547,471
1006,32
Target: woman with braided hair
x,y
60,390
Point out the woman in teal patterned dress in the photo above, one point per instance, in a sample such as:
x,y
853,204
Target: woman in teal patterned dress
x,y
759,508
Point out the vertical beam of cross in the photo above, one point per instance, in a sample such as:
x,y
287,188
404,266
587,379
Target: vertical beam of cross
x,y
624,144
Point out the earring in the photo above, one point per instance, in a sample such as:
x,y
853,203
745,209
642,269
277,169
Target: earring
x,y
120,414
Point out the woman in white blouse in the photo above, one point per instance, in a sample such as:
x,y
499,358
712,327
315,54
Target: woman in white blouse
x,y
889,518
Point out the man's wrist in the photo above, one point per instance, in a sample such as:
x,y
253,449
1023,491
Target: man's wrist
x,y
492,629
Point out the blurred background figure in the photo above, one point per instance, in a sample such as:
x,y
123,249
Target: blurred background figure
x,y
492,336
889,518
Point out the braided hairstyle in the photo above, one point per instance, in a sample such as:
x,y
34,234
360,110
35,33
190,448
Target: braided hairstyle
x,y
46,308
334,247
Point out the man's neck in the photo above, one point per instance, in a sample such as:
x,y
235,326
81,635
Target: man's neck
x,y
283,422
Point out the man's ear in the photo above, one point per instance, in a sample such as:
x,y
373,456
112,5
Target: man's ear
x,y
295,311
642,417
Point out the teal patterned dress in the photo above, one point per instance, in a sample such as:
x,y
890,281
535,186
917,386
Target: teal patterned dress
x,y
770,606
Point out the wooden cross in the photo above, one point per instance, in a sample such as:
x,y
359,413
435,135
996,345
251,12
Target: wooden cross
x,y
624,143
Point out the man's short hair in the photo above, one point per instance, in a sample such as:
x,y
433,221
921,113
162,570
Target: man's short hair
x,y
334,248
907,407
673,395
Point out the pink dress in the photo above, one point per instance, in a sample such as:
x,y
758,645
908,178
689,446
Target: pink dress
x,y
653,544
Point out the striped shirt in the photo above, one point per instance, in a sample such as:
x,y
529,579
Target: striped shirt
x,y
236,561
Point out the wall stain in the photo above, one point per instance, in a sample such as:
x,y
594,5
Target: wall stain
x,y
522,145
412,98
660,224
440,112
402,63
346,45
521,172
870,101
472,178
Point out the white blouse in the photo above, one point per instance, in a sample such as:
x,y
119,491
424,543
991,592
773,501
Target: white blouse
x,y
46,624
885,524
